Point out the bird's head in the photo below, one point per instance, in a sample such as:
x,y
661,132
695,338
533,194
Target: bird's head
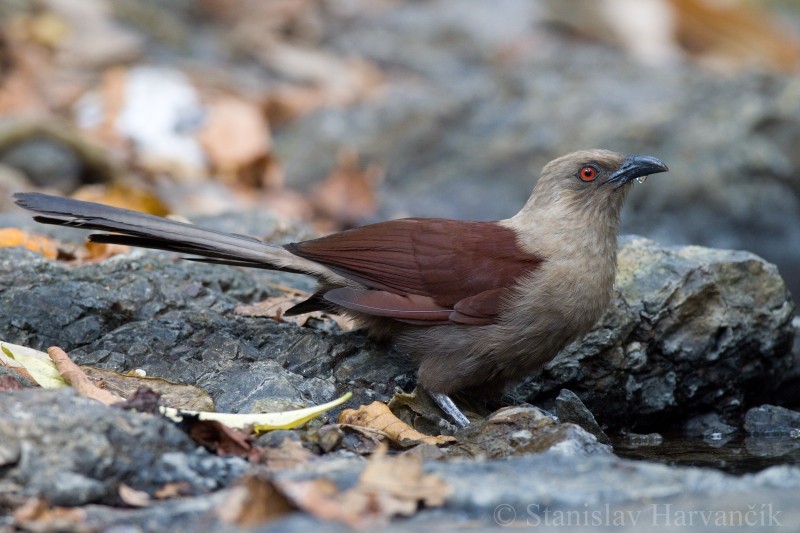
x,y
592,179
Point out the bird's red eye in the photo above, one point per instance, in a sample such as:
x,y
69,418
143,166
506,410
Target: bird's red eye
x,y
587,173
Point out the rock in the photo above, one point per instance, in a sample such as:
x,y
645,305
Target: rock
x,y
709,425
92,449
690,330
772,420
514,431
570,408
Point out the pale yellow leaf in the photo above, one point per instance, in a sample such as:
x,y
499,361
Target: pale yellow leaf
x,y
37,364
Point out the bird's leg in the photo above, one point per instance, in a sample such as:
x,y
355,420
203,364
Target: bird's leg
x,y
446,404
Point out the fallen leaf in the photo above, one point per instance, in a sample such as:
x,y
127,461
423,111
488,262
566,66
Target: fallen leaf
x,y
10,237
124,195
217,437
387,487
78,379
733,36
378,416
173,490
349,194
286,456
33,364
37,515
260,421
8,383
100,251
132,497
236,139
357,439
177,395
254,500
275,308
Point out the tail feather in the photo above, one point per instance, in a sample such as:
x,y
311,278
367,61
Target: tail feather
x,y
148,231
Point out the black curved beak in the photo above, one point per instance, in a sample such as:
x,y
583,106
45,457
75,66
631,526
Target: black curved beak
x,y
635,166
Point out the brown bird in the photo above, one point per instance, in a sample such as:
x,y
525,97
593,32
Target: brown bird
x,y
477,305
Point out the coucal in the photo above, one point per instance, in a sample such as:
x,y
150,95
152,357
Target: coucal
x,y
477,305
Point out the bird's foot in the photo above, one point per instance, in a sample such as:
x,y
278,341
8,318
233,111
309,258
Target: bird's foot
x,y
446,404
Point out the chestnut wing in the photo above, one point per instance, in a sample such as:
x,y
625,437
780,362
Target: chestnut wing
x,y
438,263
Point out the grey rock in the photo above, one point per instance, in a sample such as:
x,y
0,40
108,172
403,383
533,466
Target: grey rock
x,y
707,425
772,420
72,451
690,330
570,408
515,431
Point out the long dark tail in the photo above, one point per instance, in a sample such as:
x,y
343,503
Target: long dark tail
x,y
148,231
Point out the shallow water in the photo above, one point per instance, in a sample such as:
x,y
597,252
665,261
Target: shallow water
x,y
732,454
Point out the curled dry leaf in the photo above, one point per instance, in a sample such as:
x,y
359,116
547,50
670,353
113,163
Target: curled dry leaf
x,y
132,497
378,416
78,379
10,237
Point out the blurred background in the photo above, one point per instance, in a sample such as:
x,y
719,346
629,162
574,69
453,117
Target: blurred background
x,y
336,113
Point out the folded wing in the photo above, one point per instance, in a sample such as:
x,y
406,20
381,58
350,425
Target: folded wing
x,y
424,271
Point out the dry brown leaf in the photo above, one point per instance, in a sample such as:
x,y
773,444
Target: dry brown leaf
x,y
132,497
36,515
10,237
172,394
100,251
732,36
349,194
173,490
76,377
253,501
237,142
288,455
8,383
275,308
126,196
387,487
378,416
219,438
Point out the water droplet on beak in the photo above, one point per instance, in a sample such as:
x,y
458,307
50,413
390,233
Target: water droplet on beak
x,y
642,179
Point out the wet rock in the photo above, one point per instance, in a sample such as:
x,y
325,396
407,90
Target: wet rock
x,y
91,449
570,408
514,431
772,420
707,426
690,330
